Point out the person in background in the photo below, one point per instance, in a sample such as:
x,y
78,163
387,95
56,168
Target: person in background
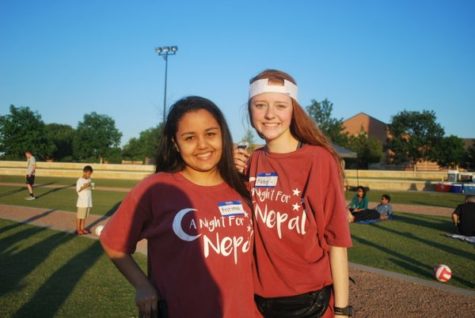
x,y
30,174
383,211
84,186
359,201
463,216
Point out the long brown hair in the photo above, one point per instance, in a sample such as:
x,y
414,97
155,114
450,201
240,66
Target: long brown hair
x,y
168,159
302,127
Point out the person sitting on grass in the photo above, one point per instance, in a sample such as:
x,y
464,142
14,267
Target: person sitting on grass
x,y
464,216
359,201
383,211
84,203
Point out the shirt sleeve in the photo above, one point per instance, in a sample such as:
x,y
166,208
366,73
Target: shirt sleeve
x,y
124,229
337,230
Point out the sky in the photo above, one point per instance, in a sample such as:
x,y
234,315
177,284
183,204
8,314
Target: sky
x,y
67,58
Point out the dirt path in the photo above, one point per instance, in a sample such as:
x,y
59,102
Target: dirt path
x,y
377,293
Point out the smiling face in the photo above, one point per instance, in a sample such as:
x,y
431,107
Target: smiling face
x,y
271,115
199,141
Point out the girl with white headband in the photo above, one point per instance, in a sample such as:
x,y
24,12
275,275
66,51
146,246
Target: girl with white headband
x,y
301,231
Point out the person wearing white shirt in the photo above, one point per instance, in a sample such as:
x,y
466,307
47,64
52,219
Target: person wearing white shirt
x,y
30,174
84,187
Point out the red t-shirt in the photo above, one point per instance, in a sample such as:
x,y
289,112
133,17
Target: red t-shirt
x,y
299,211
199,244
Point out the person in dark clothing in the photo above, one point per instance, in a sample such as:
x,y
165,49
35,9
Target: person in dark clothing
x,y
464,216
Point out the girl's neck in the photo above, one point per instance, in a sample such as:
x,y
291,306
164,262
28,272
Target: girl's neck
x,y
283,144
203,178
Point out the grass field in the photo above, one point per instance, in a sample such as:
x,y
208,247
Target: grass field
x,y
69,181
443,199
412,244
74,278
45,273
9,193
60,198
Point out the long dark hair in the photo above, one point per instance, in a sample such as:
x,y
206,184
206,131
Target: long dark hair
x,y
168,159
302,127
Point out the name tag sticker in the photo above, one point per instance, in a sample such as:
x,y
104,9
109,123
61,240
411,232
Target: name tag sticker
x,y
266,180
229,208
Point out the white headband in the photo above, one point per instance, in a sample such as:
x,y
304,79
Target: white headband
x,y
262,86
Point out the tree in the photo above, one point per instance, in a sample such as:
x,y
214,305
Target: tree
x,y
61,137
368,149
22,130
96,137
449,152
145,146
413,136
249,138
321,112
469,157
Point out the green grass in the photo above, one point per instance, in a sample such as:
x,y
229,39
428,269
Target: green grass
x,y
60,198
443,199
67,181
47,273
412,244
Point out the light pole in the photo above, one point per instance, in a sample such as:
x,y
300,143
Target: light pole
x,y
165,51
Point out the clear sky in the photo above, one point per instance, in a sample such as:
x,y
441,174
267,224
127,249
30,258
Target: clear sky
x,y
66,58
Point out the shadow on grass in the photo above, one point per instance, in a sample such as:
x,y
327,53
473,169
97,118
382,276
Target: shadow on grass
x,y
54,190
26,221
434,244
439,225
57,288
105,216
416,266
8,193
457,278
15,266
406,262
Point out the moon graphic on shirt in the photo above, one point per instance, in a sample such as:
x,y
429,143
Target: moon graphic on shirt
x,y
179,230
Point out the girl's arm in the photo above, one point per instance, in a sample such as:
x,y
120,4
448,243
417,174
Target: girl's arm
x,y
146,296
339,268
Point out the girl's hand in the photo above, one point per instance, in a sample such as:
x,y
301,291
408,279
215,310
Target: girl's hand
x,y
241,156
146,299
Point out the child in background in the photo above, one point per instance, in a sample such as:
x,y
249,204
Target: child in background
x,y
385,208
383,211
84,188
359,201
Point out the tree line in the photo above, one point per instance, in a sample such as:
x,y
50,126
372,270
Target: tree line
x,y
412,136
96,139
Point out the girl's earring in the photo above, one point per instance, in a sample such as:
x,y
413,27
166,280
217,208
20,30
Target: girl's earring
x,y
176,147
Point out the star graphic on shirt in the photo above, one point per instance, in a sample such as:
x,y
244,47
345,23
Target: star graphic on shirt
x,y
295,207
296,192
246,214
249,228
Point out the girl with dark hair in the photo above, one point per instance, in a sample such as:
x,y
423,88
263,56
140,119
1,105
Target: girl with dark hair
x,y
301,231
194,214
360,201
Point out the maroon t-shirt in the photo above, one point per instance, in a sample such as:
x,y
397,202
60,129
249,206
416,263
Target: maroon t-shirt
x,y
199,244
299,211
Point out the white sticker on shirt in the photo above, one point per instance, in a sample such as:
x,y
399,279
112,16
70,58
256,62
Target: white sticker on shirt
x,y
229,208
266,180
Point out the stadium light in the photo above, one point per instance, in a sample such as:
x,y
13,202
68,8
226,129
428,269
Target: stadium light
x,y
165,51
